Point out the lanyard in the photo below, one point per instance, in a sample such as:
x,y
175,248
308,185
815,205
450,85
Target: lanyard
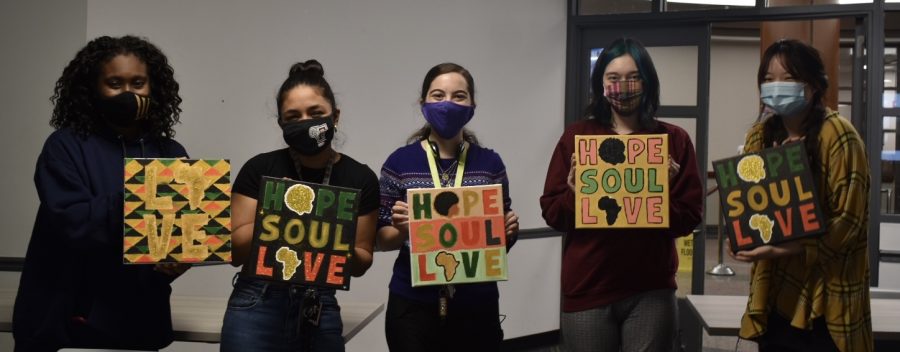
x,y
432,165
326,178
446,291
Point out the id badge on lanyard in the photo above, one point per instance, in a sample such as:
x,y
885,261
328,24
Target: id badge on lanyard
x,y
446,291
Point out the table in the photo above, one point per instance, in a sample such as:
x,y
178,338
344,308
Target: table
x,y
721,315
199,319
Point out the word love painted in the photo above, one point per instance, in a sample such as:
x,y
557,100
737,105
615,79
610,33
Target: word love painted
x,y
621,181
457,235
304,233
768,197
177,210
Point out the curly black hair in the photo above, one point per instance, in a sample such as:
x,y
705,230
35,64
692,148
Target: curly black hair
x,y
76,90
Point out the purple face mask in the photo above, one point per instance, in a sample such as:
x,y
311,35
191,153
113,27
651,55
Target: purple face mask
x,y
447,118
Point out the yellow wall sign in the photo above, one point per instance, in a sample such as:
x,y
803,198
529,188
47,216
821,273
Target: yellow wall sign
x,y
622,181
177,210
685,248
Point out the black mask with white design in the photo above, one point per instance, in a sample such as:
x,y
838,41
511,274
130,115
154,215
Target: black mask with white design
x,y
308,137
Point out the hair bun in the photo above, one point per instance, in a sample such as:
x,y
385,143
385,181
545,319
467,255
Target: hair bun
x,y
310,68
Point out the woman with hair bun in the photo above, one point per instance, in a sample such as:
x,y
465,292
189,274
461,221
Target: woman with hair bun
x,y
265,315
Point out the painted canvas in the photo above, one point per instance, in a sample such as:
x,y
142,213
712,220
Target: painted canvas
x,y
177,211
457,235
621,181
304,233
768,197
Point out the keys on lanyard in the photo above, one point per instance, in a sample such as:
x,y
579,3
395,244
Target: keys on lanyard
x,y
446,293
311,310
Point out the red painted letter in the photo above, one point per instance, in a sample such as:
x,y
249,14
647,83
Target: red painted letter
x,y
261,268
424,275
808,217
335,271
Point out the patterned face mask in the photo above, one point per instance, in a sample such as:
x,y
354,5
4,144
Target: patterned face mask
x,y
624,96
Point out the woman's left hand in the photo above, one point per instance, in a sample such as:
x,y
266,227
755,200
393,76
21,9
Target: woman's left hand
x,y
769,252
512,224
673,168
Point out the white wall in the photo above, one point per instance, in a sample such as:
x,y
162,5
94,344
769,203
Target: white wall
x,y
37,44
38,38
231,56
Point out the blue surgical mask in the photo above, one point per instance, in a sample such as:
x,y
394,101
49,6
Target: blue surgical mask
x,y
447,118
787,99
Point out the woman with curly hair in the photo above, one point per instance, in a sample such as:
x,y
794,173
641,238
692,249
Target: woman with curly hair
x,y
117,98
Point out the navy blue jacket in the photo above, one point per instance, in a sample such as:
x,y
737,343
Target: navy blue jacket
x,y
73,267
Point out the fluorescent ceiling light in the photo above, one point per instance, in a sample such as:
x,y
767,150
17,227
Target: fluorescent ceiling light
x,y
717,2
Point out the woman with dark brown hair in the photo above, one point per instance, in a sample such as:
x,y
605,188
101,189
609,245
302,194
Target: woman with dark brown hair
x,y
440,318
811,294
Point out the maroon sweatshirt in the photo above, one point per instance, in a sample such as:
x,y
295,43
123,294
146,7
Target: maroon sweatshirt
x,y
602,266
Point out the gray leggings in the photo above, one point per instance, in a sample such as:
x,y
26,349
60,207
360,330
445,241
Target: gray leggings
x,y
647,321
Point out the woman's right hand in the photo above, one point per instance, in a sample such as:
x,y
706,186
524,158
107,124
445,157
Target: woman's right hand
x,y
571,178
400,218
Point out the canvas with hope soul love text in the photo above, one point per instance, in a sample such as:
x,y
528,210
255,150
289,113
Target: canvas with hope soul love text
x,y
457,235
621,181
177,211
304,233
768,197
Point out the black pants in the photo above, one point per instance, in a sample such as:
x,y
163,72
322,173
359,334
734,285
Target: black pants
x,y
414,326
781,336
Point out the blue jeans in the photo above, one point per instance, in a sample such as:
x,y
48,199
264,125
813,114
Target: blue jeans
x,y
266,316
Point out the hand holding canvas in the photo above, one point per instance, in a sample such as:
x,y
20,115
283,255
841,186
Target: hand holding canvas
x,y
571,178
400,218
772,251
674,167
768,251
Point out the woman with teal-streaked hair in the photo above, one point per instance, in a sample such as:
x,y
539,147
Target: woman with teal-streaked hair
x,y
618,285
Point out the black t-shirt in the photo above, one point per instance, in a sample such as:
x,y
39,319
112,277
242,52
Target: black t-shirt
x,y
346,172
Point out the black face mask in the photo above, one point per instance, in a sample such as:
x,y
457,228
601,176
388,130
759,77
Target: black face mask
x,y
309,137
124,109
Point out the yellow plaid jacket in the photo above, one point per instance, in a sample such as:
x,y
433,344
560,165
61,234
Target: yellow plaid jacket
x,y
832,278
